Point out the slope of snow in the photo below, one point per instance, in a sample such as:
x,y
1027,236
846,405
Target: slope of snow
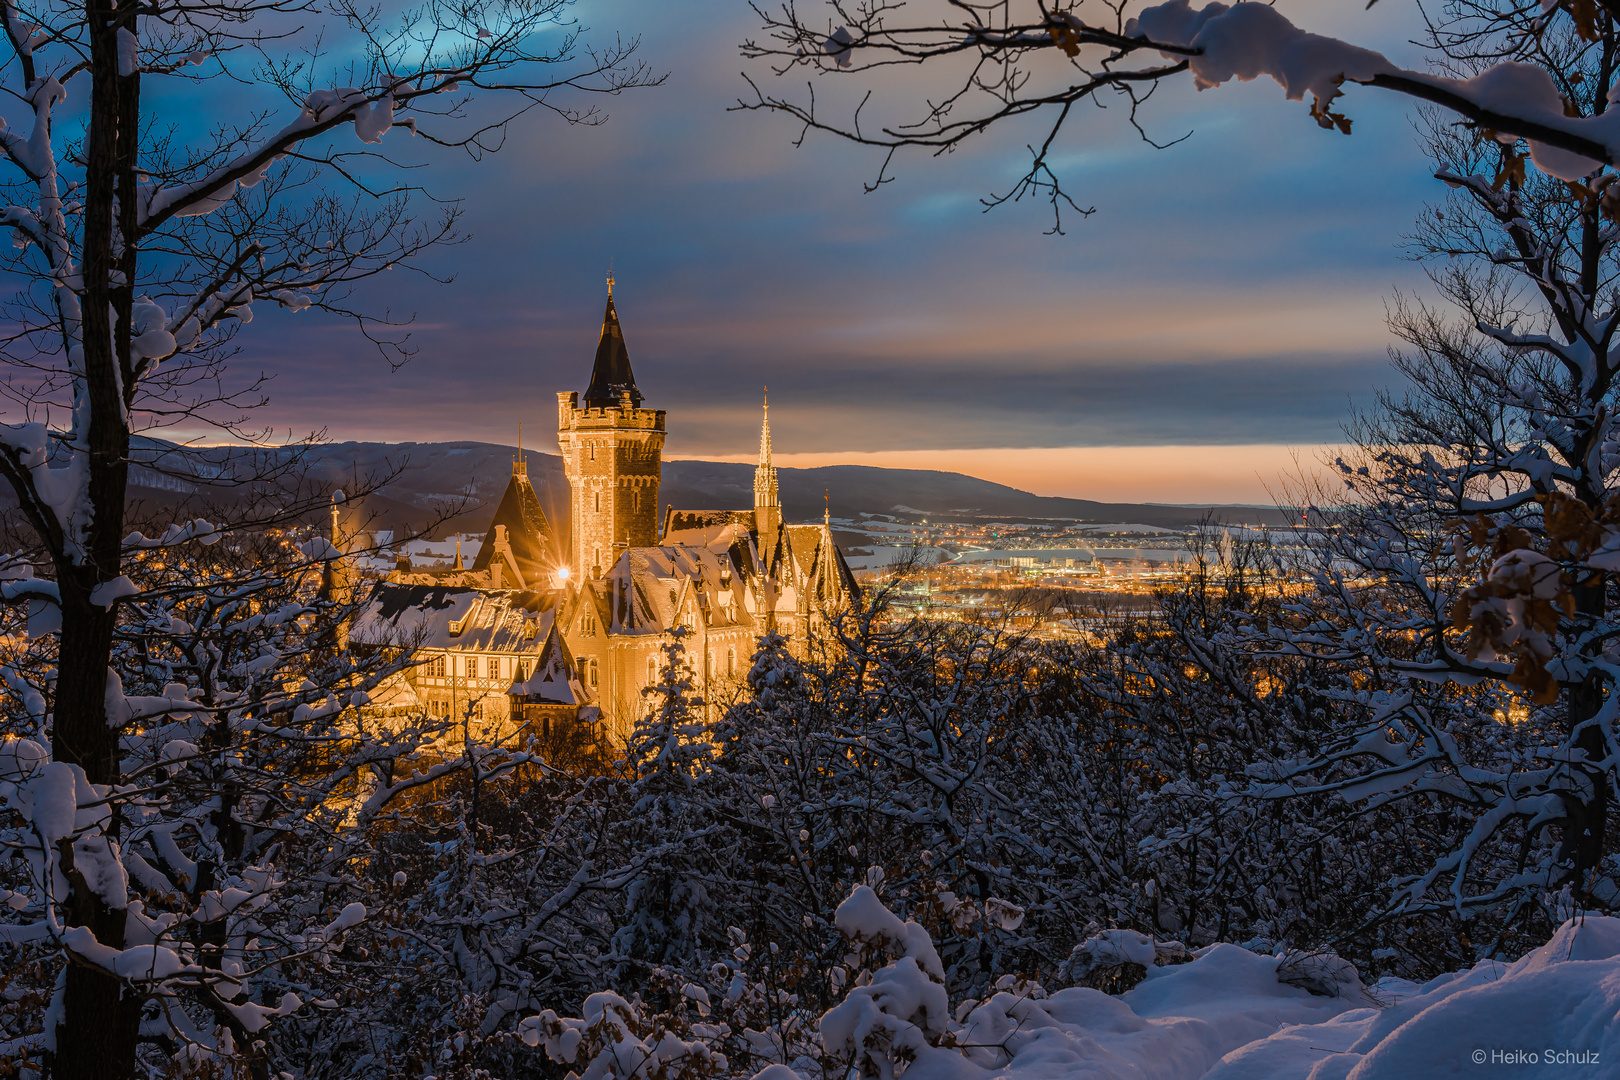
x,y
1226,1016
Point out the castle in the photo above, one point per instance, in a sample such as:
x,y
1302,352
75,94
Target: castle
x,y
540,631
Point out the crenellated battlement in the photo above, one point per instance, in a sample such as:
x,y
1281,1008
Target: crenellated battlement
x,y
615,417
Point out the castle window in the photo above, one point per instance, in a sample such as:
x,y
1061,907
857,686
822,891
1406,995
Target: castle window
x,y
593,455
731,661
593,673
599,502
652,670
587,626
708,665
435,666
521,672
495,667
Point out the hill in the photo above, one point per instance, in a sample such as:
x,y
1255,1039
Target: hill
x,y
431,474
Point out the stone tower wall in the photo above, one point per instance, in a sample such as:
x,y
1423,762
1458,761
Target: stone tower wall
x,y
613,458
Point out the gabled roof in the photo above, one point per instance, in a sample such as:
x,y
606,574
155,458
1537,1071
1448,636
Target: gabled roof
x,y
611,375
819,560
649,587
534,545
555,679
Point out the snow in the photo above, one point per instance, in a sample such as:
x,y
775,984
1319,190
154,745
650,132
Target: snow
x,y
898,1010
1109,949
1557,1003
863,918
606,1030
320,549
60,490
128,53
352,915
837,46
1232,1014
108,593
1248,40
21,759
370,125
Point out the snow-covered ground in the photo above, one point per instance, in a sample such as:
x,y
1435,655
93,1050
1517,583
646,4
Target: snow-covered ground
x,y
1124,527
882,556
1227,1015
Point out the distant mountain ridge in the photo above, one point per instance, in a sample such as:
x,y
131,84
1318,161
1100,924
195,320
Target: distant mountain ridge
x,y
430,472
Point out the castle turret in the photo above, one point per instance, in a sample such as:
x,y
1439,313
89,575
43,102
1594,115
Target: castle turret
x,y
612,451
767,499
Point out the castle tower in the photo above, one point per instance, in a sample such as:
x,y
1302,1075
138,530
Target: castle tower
x,y
612,454
767,500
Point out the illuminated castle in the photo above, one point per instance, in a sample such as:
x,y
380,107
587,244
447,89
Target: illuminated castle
x,y
536,631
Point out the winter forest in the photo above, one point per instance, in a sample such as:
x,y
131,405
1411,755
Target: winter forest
x,y
1360,820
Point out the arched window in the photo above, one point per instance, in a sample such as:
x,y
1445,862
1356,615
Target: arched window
x,y
708,665
593,673
731,661
652,670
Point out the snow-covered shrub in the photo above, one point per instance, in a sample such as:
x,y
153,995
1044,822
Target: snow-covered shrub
x,y
1112,961
1322,973
611,1041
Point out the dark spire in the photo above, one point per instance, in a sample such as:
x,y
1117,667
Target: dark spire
x,y
612,375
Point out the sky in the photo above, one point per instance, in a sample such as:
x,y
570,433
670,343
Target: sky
x,y
1214,320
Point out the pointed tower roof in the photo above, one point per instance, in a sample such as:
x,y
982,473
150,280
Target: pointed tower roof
x,y
765,435
534,545
611,375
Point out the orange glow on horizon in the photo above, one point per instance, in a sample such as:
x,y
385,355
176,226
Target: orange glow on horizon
x,y
1162,474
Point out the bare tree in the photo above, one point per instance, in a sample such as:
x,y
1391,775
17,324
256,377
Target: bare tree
x,y
984,64
139,254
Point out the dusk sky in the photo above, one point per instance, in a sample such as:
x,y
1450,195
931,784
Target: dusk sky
x,y
1224,304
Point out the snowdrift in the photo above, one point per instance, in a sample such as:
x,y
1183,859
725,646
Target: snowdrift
x,y
1226,1015
1220,1013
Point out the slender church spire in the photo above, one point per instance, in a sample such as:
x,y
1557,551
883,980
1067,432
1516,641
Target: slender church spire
x,y
765,490
765,433
767,498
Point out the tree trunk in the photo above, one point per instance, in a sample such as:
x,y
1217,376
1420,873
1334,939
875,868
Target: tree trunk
x,y
96,1036
1581,851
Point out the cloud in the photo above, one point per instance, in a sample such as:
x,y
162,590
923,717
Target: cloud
x,y
1228,290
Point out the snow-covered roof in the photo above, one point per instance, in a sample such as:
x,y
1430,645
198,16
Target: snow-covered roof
x,y
451,617
555,679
